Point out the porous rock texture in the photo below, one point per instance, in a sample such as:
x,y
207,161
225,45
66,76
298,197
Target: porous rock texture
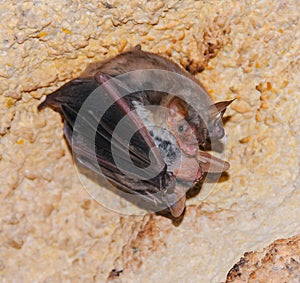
x,y
51,230
279,262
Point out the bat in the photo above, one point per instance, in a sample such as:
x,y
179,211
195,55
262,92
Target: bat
x,y
152,132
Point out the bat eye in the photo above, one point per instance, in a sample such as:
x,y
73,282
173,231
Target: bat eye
x,y
180,128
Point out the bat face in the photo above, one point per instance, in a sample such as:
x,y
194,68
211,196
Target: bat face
x,y
176,122
147,140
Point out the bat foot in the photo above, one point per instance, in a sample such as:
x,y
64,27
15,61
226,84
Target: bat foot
x,y
177,202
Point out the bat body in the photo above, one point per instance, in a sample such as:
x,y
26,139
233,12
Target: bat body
x,y
168,138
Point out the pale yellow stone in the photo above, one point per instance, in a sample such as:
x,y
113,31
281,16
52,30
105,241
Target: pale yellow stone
x,y
51,231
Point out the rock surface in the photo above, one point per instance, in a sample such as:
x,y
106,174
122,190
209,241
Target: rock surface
x,y
50,228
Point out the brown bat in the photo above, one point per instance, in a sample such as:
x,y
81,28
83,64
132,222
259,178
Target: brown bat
x,y
167,140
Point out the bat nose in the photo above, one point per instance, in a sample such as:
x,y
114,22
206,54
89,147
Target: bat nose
x,y
189,149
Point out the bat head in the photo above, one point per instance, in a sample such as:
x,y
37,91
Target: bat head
x,y
187,126
177,124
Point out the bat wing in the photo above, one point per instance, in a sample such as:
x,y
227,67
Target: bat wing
x,y
93,146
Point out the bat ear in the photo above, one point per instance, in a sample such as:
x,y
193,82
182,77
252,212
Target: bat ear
x,y
178,108
219,108
216,112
